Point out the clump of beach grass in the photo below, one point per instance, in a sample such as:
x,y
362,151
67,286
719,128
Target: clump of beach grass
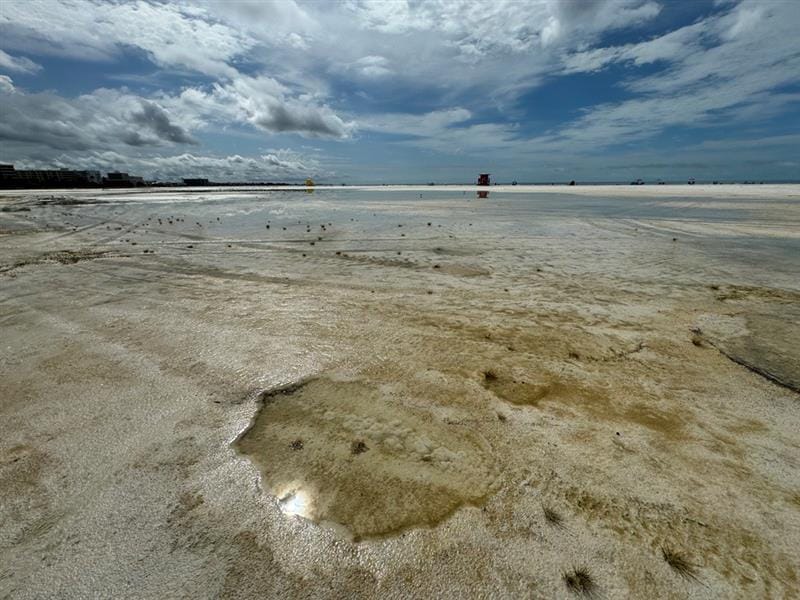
x,y
552,517
679,563
580,581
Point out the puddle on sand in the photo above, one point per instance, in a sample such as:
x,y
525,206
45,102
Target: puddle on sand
x,y
340,453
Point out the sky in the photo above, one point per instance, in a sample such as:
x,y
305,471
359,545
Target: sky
x,y
404,91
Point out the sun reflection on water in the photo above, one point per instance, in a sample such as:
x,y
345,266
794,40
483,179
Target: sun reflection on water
x,y
295,502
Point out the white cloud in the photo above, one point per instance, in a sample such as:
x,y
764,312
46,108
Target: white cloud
x,y
672,46
284,18
302,45
751,37
104,119
493,140
19,64
371,66
723,69
267,105
479,28
749,143
172,35
744,19
276,165
279,165
296,41
6,84
115,129
710,78
447,131
765,50
430,124
295,67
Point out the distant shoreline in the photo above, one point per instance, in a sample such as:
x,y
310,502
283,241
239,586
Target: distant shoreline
x,y
765,190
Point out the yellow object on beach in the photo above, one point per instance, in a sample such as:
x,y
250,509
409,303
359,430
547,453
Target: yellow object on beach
x,y
310,182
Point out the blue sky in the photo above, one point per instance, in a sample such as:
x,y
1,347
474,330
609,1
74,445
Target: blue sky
x,y
381,92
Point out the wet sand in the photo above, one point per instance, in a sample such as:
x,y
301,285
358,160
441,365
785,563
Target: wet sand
x,y
400,392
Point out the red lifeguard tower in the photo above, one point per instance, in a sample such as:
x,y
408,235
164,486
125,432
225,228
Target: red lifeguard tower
x,y
483,179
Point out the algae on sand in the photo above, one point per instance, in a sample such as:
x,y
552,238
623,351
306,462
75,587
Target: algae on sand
x,y
418,469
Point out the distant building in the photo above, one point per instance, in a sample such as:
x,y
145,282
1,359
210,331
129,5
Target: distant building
x,y
47,178
92,176
118,179
195,181
483,179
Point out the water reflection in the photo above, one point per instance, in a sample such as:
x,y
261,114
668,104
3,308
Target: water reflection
x,y
483,195
297,503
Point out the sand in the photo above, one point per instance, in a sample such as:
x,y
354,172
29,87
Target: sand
x,y
361,392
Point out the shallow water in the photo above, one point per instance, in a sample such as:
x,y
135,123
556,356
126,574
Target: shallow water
x,y
755,240
344,453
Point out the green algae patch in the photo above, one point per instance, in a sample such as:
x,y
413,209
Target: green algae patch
x,y
338,452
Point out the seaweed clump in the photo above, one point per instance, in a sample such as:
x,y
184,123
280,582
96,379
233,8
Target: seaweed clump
x,y
552,517
580,582
679,563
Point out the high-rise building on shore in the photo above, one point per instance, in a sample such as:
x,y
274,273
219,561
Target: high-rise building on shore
x,y
11,178
117,179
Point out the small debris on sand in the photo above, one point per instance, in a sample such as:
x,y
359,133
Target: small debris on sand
x,y
358,447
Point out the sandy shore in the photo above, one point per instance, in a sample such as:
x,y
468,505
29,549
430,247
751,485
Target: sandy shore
x,y
400,392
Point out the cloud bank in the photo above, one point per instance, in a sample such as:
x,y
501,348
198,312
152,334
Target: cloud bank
x,y
455,78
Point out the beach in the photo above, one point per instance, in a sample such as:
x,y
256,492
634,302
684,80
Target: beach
x,y
400,391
